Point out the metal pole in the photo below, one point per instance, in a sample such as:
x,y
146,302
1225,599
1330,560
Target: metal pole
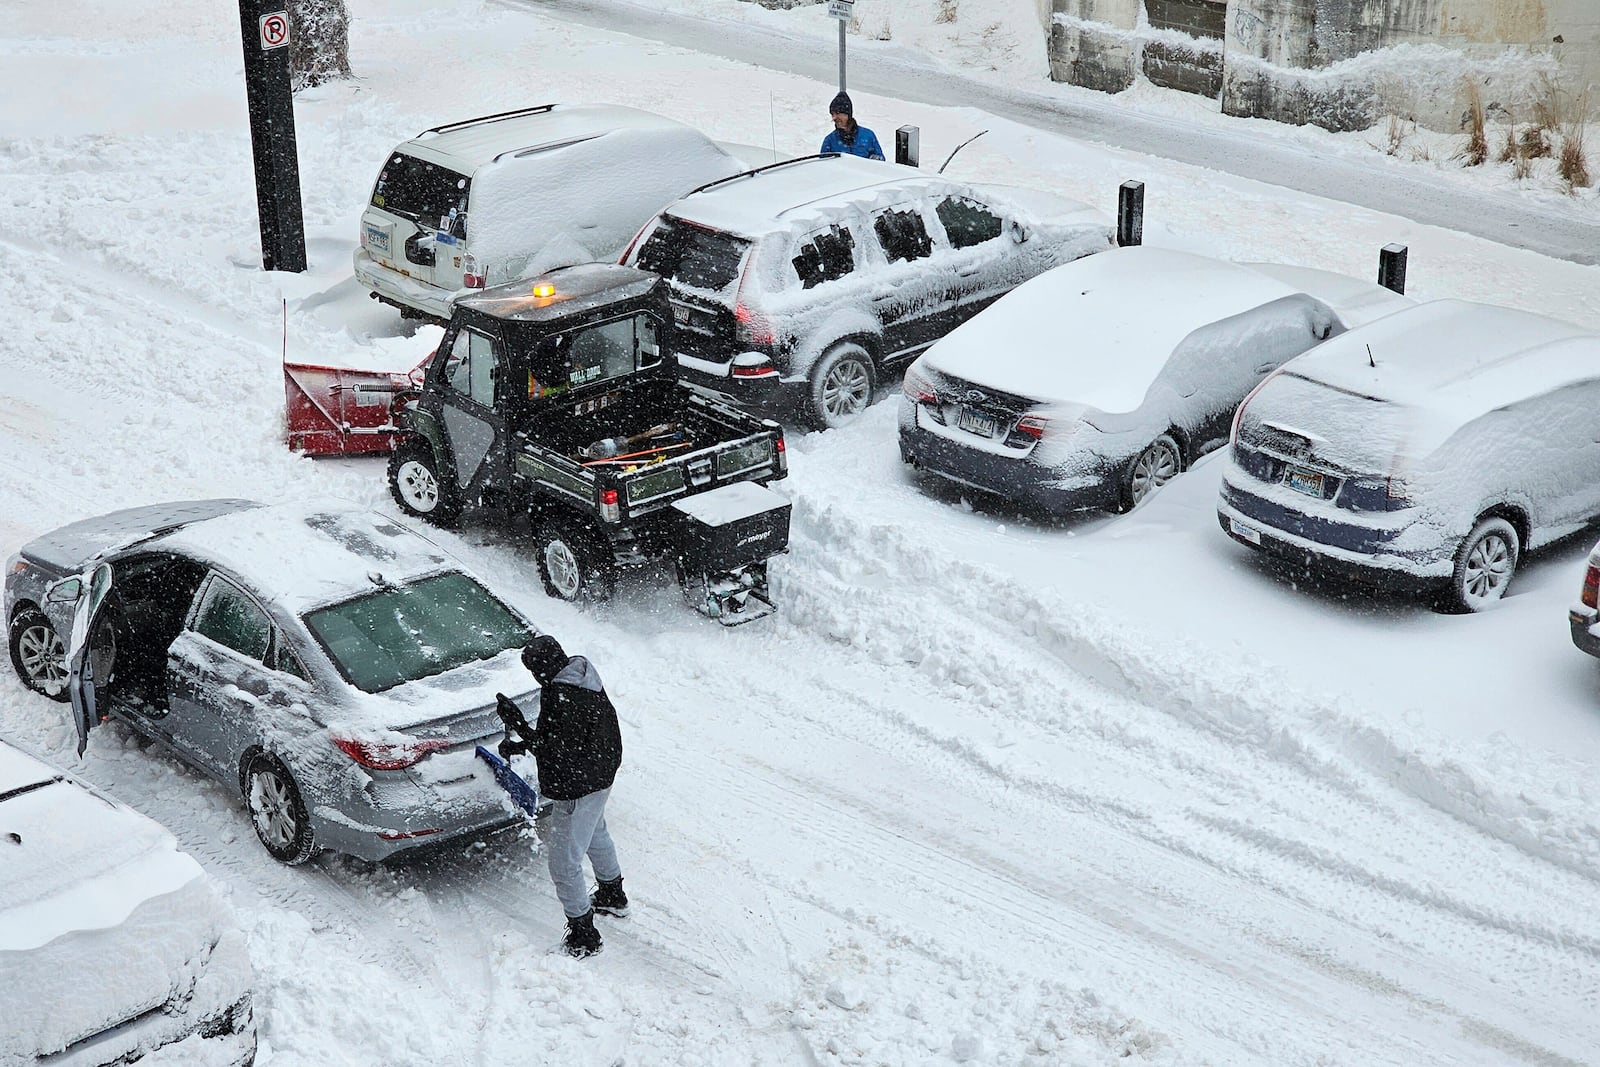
x,y
264,25
841,54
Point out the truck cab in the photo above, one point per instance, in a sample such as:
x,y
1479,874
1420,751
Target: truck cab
x,y
559,398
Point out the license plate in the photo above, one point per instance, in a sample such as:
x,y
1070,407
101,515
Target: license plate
x,y
378,240
975,421
1247,533
1306,482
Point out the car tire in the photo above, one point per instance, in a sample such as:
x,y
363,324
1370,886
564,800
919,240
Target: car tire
x,y
839,387
1484,564
38,654
1156,464
277,811
421,486
573,564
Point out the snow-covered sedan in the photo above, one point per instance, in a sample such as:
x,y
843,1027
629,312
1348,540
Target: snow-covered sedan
x,y
332,665
1097,382
1425,452
114,945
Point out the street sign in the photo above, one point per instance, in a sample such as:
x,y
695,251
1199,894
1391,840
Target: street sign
x,y
274,29
840,9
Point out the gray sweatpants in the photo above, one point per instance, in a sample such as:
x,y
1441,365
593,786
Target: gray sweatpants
x,y
578,827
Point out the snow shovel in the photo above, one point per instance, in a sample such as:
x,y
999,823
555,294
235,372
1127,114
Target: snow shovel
x,y
524,795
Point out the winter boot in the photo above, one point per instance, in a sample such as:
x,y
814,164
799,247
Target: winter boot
x,y
582,938
609,899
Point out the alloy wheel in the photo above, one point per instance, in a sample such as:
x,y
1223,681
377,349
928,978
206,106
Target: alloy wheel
x,y
43,657
272,808
1155,467
566,576
846,389
1488,569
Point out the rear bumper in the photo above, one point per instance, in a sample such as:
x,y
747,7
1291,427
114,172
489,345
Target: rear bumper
x,y
1013,479
1585,624
395,288
717,379
1347,550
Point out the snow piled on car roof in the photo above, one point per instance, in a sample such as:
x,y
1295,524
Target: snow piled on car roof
x,y
579,202
1456,358
1113,319
308,554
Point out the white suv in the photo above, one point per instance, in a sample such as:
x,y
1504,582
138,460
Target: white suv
x,y
806,280
497,198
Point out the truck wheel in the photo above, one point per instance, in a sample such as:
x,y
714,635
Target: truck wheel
x,y
839,387
421,487
573,565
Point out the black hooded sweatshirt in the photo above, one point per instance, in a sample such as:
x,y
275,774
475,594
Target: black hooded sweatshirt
x,y
576,741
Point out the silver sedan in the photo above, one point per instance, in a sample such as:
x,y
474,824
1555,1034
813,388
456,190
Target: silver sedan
x,y
335,667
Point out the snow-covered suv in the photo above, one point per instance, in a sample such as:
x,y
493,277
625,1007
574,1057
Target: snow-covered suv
x,y
807,279
507,196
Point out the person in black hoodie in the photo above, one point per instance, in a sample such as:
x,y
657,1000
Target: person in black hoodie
x,y
578,747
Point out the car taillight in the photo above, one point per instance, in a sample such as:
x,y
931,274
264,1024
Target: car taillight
x,y
1591,587
1032,426
609,509
918,388
470,278
781,454
390,755
752,328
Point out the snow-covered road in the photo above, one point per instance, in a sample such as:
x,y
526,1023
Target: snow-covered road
x,y
1263,151
986,790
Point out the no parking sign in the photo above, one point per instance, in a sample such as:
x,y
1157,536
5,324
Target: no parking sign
x,y
274,30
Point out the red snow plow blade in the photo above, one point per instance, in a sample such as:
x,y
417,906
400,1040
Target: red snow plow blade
x,y
335,411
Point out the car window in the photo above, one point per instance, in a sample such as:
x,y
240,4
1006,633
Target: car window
x,y
967,222
287,662
903,235
594,354
401,633
419,190
692,255
824,256
472,367
231,619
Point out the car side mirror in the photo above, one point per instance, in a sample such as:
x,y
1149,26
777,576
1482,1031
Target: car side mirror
x,y
1019,232
66,591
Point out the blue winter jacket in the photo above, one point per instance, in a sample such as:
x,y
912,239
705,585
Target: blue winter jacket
x,y
865,144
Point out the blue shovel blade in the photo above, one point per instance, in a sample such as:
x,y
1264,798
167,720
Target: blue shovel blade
x,y
525,795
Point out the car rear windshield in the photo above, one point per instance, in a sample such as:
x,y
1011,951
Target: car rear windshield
x,y
693,255
401,633
419,190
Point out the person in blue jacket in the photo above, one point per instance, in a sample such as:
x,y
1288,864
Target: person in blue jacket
x,y
846,138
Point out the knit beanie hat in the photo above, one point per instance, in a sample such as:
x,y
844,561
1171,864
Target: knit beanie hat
x,y
841,105
544,657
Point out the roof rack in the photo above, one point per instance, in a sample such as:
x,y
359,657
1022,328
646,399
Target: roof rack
x,y
490,118
760,170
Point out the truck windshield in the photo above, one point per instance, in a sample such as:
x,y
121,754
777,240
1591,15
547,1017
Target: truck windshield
x,y
401,633
692,255
419,190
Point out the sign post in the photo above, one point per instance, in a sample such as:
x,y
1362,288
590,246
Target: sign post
x,y
841,9
264,25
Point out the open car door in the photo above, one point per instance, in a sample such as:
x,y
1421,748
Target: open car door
x,y
95,587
